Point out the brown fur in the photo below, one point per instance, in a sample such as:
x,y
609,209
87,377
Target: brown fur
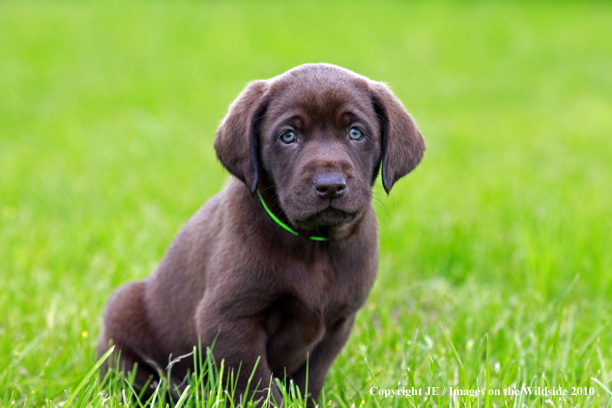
x,y
234,275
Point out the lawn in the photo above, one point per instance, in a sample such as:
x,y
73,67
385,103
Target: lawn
x,y
496,253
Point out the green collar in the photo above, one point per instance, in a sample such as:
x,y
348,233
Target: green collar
x,y
285,226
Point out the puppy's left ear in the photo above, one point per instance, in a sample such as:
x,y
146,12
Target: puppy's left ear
x,y
237,138
402,143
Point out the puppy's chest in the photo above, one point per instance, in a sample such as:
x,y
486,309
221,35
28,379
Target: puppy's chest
x,y
318,299
295,326
311,311
320,291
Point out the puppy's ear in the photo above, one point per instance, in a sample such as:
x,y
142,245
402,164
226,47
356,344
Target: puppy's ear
x,y
237,139
402,143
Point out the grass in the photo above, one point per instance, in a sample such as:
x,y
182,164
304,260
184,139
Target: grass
x,y
496,261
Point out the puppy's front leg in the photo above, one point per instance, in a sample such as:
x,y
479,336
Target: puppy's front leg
x,y
240,341
322,358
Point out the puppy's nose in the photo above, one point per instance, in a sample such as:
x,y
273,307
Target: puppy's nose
x,y
330,186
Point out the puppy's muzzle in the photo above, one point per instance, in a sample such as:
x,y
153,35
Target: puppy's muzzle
x,y
329,186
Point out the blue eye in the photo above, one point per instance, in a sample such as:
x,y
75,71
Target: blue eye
x,y
355,134
288,137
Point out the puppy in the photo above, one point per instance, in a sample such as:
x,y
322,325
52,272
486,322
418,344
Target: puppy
x,y
275,266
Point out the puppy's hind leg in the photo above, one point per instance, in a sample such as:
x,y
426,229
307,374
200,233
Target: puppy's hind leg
x,y
125,324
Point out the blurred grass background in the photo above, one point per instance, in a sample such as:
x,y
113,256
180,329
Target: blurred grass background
x,y
502,236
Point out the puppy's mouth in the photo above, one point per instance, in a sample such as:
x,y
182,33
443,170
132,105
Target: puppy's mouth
x,y
328,217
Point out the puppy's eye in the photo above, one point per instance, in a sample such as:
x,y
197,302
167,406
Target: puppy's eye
x,y
355,134
289,137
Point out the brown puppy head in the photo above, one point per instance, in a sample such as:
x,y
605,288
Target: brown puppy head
x,y
316,137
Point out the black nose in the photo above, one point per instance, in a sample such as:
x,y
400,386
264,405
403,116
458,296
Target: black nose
x,y
330,186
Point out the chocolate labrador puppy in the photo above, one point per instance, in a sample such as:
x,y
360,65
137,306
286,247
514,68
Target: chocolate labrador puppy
x,y
275,266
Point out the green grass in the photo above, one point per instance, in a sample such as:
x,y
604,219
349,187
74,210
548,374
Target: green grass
x,y
496,254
